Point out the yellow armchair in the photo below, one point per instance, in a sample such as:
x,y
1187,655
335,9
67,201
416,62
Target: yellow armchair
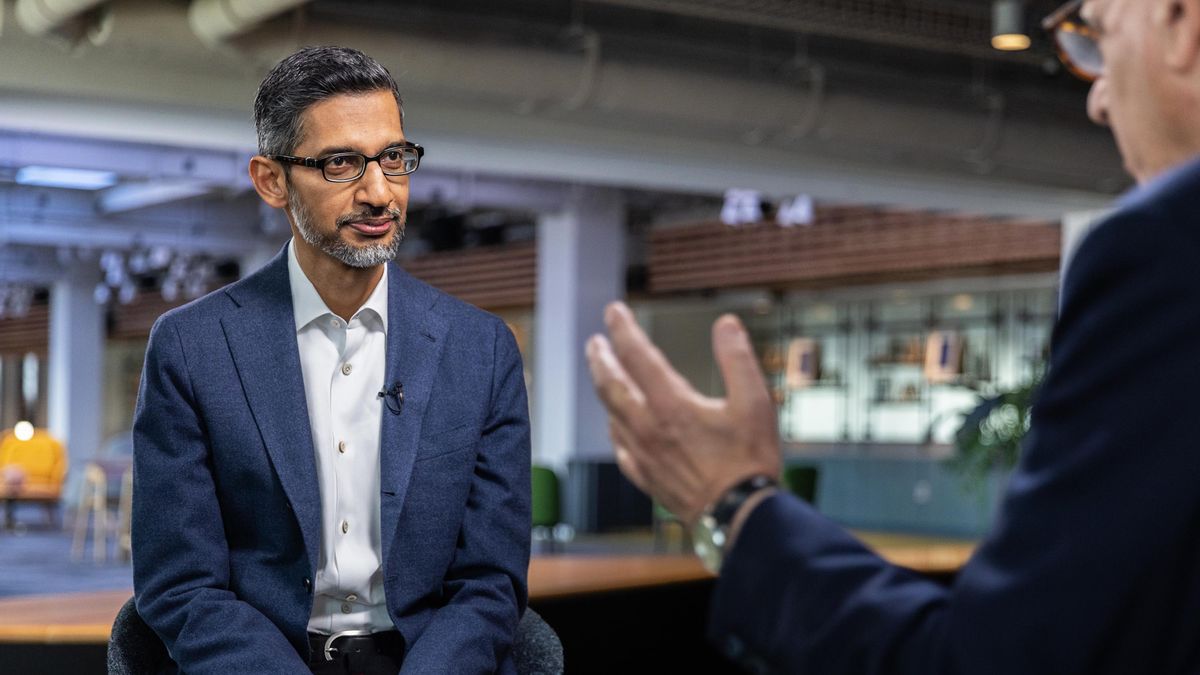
x,y
31,471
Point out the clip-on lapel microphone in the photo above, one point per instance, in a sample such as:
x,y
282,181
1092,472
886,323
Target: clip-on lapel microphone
x,y
393,396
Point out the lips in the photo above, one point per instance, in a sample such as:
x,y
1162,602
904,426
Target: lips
x,y
372,228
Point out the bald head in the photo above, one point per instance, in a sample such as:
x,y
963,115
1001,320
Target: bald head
x,y
1150,88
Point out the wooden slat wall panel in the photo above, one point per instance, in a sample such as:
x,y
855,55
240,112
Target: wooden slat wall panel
x,y
491,278
848,245
495,277
30,333
134,321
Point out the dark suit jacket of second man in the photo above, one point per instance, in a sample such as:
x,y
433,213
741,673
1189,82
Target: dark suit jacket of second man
x,y
1093,565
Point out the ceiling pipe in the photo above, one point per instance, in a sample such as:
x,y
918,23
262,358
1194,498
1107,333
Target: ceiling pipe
x,y
215,21
40,17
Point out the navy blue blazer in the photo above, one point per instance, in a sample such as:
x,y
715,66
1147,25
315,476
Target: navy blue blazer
x,y
1093,565
226,510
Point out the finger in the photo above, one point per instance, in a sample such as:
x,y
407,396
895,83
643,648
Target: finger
x,y
744,383
623,399
630,469
646,366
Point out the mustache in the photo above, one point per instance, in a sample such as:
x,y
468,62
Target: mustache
x,y
396,215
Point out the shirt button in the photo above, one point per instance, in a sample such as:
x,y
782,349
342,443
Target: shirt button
x,y
346,368
333,322
345,527
351,598
342,447
345,608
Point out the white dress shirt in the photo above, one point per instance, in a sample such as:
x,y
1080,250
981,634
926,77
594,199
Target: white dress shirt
x,y
344,369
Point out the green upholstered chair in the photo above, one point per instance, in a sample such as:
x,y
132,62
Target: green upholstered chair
x,y
547,510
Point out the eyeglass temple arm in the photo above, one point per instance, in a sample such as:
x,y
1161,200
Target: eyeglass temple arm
x,y
301,161
1059,15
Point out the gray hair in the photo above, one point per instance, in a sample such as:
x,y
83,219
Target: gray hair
x,y
309,76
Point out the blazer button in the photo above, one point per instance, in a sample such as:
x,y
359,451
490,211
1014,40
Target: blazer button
x,y
307,584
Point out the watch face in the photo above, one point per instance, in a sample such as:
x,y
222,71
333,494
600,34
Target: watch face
x,y
708,541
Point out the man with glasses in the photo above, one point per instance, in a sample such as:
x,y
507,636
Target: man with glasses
x,y
1093,565
331,457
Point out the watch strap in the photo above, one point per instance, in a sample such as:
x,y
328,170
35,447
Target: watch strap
x,y
725,508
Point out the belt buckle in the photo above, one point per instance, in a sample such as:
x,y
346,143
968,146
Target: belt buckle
x,y
341,634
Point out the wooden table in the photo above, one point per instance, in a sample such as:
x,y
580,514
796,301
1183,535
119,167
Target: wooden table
x,y
86,618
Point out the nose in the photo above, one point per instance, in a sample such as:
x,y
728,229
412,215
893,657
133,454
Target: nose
x,y
374,188
1097,104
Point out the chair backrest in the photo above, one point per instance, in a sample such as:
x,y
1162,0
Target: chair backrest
x,y
802,482
536,647
545,497
43,459
133,648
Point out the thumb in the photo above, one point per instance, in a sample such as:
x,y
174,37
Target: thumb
x,y
744,383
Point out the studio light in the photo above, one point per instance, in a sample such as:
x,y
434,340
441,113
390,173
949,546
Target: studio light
x,y
23,431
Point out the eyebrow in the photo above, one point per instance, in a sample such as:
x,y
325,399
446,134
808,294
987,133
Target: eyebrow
x,y
345,148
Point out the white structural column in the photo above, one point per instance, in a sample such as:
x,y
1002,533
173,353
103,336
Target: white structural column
x,y
581,268
76,365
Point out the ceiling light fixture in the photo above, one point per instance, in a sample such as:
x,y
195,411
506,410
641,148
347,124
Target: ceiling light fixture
x,y
1008,25
63,177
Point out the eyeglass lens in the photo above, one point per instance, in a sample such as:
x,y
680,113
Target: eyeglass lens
x,y
394,162
1079,50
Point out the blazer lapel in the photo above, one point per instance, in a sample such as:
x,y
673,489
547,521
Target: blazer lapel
x,y
262,339
414,347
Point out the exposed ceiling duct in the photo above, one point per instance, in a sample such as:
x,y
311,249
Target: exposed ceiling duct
x,y
215,21
65,18
936,126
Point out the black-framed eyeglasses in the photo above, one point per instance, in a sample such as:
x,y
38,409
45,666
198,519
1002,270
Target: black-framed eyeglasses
x,y
344,167
1076,41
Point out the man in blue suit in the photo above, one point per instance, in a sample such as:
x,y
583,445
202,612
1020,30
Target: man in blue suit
x,y
1094,563
332,458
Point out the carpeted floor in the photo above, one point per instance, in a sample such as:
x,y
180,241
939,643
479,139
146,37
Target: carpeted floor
x,y
36,559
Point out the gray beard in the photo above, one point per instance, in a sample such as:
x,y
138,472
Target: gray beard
x,y
361,257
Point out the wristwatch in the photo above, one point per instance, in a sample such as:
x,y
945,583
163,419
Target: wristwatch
x,y
711,532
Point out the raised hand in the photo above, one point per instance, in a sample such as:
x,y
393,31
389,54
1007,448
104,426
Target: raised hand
x,y
680,447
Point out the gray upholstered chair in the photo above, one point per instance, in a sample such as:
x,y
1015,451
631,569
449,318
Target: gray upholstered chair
x,y
536,647
134,649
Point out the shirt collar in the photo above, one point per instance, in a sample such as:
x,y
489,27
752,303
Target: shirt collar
x,y
308,306
1153,189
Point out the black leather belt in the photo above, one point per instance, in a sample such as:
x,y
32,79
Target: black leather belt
x,y
357,650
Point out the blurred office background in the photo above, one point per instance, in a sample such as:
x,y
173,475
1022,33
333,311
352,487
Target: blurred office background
x,y
885,197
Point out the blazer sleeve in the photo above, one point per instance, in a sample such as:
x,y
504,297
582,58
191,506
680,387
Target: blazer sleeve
x,y
1102,505
485,587
180,554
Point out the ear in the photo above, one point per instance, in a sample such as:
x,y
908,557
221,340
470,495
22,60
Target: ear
x,y
269,181
1178,24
